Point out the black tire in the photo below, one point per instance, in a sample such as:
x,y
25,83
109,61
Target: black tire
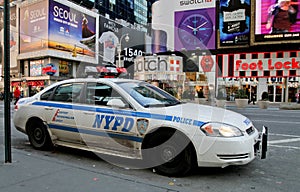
x,y
38,136
171,153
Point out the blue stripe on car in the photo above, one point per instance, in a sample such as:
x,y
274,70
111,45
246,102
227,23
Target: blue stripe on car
x,y
105,110
92,132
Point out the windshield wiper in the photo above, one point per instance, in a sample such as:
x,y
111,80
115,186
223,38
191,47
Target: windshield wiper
x,y
162,104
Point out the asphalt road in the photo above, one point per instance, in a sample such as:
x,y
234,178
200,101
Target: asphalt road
x,y
279,172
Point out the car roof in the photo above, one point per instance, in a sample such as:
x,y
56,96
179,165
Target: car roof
x,y
92,79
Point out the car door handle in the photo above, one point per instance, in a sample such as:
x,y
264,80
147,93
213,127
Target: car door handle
x,y
48,108
89,113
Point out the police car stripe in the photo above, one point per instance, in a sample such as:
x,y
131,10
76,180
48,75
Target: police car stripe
x,y
97,133
105,110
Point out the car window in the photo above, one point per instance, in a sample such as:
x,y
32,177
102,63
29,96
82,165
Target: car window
x,y
148,95
47,94
100,94
68,92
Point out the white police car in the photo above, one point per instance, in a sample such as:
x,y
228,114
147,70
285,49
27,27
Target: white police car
x,y
136,120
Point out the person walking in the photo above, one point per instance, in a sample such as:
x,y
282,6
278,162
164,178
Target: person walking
x,y
17,94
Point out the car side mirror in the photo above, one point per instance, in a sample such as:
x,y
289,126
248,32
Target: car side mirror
x,y
118,103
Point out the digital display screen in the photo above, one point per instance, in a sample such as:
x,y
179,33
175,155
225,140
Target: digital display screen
x,y
276,20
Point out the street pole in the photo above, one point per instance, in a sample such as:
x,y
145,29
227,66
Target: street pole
x,y
119,48
7,124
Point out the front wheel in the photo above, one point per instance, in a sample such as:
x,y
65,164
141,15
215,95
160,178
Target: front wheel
x,y
38,136
172,154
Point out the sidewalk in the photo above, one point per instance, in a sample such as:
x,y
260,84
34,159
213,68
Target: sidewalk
x,y
272,105
36,173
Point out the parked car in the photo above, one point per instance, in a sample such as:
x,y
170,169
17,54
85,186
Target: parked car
x,y
137,120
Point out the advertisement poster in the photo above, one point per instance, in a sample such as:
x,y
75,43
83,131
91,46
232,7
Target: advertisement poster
x,y
71,29
34,27
277,20
195,29
183,25
13,39
234,22
111,34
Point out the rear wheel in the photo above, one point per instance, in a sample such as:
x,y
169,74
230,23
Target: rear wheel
x,y
39,136
171,153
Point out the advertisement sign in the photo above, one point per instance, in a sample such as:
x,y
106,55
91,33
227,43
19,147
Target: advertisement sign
x,y
184,25
195,29
36,68
34,27
50,24
158,64
71,29
162,67
13,38
264,64
110,34
234,22
276,21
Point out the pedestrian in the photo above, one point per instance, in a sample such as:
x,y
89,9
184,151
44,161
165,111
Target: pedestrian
x,y
298,97
17,94
252,98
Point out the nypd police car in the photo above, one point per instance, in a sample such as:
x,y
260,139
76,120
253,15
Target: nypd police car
x,y
135,120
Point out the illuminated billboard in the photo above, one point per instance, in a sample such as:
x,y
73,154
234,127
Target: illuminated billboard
x,y
110,34
13,35
276,21
234,23
186,25
34,27
51,24
71,29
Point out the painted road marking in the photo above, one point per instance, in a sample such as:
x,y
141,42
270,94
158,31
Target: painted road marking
x,y
284,141
281,122
284,146
295,138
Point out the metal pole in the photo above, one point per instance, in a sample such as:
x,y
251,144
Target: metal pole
x,y
7,96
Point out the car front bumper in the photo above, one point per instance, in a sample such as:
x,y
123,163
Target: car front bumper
x,y
222,152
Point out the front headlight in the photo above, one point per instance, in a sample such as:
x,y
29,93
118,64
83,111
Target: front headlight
x,y
221,130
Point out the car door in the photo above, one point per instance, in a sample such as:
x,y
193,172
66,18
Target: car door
x,y
106,127
60,108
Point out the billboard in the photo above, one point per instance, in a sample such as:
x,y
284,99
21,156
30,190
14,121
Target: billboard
x,y
234,23
110,34
186,25
13,39
50,24
34,27
71,29
276,21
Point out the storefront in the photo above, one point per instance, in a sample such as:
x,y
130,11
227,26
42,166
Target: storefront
x,y
275,72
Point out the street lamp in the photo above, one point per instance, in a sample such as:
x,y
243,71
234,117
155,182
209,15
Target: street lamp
x,y
119,46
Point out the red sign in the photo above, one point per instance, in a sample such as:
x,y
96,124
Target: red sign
x,y
263,64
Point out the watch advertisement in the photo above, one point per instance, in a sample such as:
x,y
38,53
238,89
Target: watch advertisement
x,y
276,21
194,29
234,22
187,25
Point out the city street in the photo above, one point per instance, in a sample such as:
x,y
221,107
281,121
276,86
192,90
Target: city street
x,y
279,172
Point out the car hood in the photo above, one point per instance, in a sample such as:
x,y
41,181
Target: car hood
x,y
204,113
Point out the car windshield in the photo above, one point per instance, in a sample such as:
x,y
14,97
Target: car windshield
x,y
148,95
